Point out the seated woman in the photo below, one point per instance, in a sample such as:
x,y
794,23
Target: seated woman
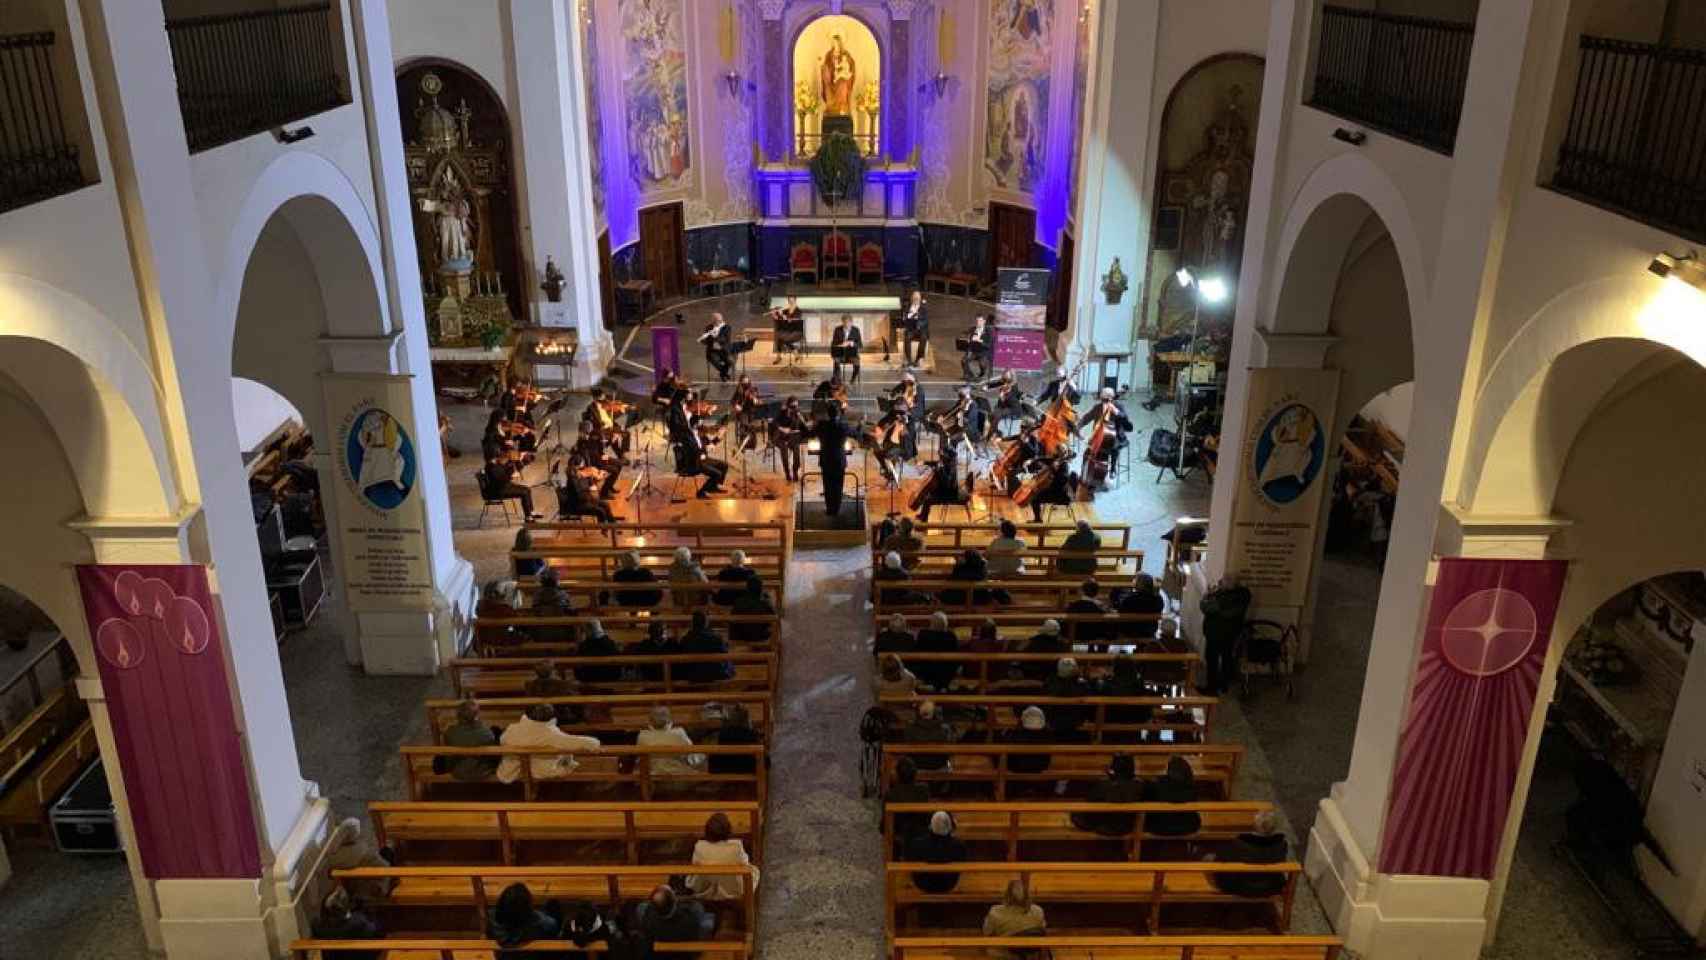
x,y
894,680
1121,786
514,921
1177,785
664,733
719,846
1014,916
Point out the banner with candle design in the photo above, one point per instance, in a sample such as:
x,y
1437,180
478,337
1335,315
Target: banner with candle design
x,y
162,666
1489,624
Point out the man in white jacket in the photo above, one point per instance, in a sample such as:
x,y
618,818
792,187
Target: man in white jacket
x,y
664,733
538,728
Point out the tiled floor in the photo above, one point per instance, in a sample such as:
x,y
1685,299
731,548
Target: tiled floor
x,y
822,890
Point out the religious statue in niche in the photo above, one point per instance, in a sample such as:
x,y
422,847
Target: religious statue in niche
x,y
1203,212
1027,20
448,202
837,78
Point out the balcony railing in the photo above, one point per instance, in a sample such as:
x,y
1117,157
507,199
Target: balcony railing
x,y
1636,142
1401,75
37,158
242,73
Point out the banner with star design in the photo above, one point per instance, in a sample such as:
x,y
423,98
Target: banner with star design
x,y
1489,625
162,666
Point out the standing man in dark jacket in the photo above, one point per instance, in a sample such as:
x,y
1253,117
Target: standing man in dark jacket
x,y
1223,611
832,458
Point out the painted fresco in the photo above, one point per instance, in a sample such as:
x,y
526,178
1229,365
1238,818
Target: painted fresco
x,y
654,84
1016,131
594,122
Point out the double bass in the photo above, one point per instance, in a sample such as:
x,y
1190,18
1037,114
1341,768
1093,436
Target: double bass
x,y
1037,483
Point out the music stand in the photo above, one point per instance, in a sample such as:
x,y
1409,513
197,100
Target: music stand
x,y
643,485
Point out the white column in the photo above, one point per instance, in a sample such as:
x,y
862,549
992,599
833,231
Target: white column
x,y
1112,213
550,127
403,642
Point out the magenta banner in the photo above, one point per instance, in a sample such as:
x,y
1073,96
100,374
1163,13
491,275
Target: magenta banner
x,y
666,352
1021,350
1489,624
162,665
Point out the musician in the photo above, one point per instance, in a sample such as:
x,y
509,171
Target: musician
x,y
1030,451
943,484
717,339
1060,486
502,483
590,448
518,433
831,433
692,459
844,347
1057,386
979,342
668,388
909,390
790,328
514,400
895,435
602,413
747,407
958,421
786,434
831,393
1009,399
1107,416
575,498
915,329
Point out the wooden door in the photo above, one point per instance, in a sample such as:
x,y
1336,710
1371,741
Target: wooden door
x,y
606,281
663,249
1011,230
1060,289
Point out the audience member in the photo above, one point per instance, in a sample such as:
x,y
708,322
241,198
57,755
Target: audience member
x,y
893,571
985,638
894,638
894,680
538,728
1006,553
550,599
514,921
1078,552
1125,681
630,571
736,731
1263,844
662,732
340,920
1145,598
904,542
938,637
1121,786
701,639
684,570
1177,785
350,849
659,642
930,727
665,917
1032,731
1066,720
596,643
720,846
1014,916
735,573
546,684
907,789
530,566
937,845
752,603
470,731
1089,604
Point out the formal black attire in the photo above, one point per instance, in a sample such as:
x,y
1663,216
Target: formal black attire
x,y
976,357
1009,400
927,847
915,329
1059,489
502,484
692,460
591,448
575,499
717,341
832,461
790,330
788,430
844,337
944,487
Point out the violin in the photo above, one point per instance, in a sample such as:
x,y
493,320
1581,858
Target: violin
x,y
700,408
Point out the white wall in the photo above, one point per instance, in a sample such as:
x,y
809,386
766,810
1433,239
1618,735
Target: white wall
x,y
469,32
1392,408
260,411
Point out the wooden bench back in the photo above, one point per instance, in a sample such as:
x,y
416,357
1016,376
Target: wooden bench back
x,y
489,677
700,536
496,635
768,560
613,711
622,764
1068,947
983,715
587,593
1023,591
28,800
1215,765
938,560
511,827
1037,536
986,672
434,949
1013,822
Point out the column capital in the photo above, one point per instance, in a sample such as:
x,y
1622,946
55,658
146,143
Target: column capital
x,y
1306,350
162,539
772,9
363,354
902,9
1492,535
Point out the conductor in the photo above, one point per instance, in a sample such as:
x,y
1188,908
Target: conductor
x,y
831,433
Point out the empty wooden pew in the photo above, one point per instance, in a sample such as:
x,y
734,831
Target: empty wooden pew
x,y
517,834
1003,828
612,773
455,900
1067,946
486,677
982,716
1141,897
985,765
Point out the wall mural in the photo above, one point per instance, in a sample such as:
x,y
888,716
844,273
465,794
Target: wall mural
x,y
1016,132
739,32
654,83
594,120
1080,91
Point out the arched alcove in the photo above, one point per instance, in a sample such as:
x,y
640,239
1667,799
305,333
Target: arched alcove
x,y
839,61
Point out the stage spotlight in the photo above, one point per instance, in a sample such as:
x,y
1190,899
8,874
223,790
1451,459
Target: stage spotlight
x,y
1213,290
1185,277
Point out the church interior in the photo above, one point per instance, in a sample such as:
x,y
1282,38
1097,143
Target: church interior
x,y
901,479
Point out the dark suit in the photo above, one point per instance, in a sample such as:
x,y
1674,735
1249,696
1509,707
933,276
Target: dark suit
x,y
915,330
832,460
978,343
843,336
717,350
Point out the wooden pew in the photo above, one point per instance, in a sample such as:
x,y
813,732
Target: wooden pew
x,y
1002,827
1112,894
1187,719
1033,593
701,536
588,594
989,672
29,796
1072,947
1216,765
1037,536
518,833
938,561
590,562
624,713
626,769
396,948
1021,624
503,636
455,900
486,677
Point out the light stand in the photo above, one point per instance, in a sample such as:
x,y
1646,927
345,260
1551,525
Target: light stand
x,y
1212,289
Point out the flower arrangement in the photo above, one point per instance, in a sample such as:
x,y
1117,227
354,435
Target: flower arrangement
x,y
806,100
870,99
838,168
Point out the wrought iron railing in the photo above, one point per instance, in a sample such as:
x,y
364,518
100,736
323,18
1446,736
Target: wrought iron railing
x,y
242,73
37,157
1636,141
1401,75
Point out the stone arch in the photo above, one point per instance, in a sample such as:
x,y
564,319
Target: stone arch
x,y
1541,388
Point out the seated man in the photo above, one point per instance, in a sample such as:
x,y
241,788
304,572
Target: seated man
x,y
470,731
701,639
339,920
1263,844
735,573
1143,598
665,917
907,789
576,499
538,728
938,637
1032,731
1089,604
1121,786
892,570
662,732
1048,640
905,542
1078,552
894,638
752,603
630,571
929,727
500,483
1006,553
597,643
937,845
1065,720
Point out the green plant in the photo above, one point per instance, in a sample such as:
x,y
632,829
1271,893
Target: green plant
x,y
838,168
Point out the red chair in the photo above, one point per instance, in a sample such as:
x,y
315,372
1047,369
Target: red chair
x,y
803,260
870,263
837,255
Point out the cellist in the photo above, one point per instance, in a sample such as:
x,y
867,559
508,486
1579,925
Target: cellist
x,y
1108,428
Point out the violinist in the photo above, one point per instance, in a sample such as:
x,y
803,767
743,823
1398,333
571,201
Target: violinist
x,y
575,497
942,486
509,437
978,345
844,347
745,405
502,482
691,455
590,448
602,414
517,399
909,390
667,389
830,394
895,433
717,339
1108,428
957,421
790,328
786,434
915,329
